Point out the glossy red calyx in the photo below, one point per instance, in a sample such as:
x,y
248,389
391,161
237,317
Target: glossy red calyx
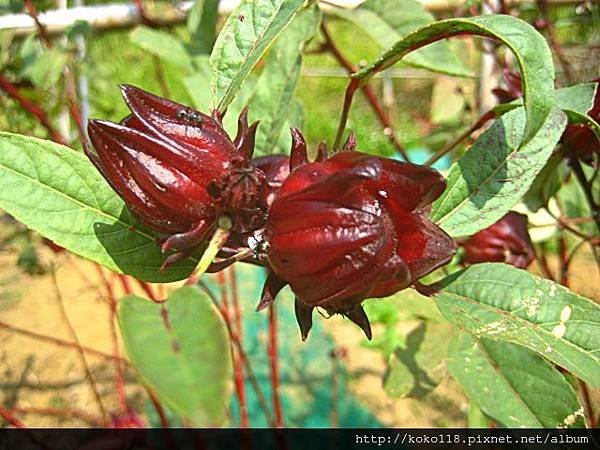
x,y
176,168
505,241
351,227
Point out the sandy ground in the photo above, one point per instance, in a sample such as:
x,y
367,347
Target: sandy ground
x,y
39,377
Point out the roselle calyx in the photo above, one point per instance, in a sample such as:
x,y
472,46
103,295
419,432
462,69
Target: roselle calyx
x,y
350,227
178,170
505,241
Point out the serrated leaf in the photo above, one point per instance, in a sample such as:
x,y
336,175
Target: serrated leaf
x,y
500,302
272,102
248,32
513,385
416,369
529,47
162,44
388,21
180,349
56,191
494,173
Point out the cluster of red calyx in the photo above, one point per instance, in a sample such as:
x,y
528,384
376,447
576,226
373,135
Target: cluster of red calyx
x,y
578,140
338,230
505,241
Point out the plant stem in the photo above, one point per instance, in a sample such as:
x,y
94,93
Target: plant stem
x,y
244,421
587,190
60,412
237,373
236,342
13,92
274,367
70,85
112,304
563,261
60,342
388,126
75,339
162,417
12,420
587,404
452,145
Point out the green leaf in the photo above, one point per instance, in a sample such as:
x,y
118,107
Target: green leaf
x,y
388,21
164,45
513,385
180,349
417,368
46,68
476,417
576,101
494,173
529,47
547,183
272,102
500,302
57,192
198,84
201,24
246,35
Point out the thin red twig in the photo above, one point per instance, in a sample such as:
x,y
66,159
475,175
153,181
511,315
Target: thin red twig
x,y
60,342
70,89
388,126
75,339
162,417
239,370
60,412
12,420
13,92
248,366
274,367
452,145
236,358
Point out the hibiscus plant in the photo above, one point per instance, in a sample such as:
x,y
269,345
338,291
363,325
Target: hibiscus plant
x,y
175,193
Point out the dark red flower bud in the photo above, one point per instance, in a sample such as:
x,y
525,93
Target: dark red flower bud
x,y
351,227
505,241
177,169
580,141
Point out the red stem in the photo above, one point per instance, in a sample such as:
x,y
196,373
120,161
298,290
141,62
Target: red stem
x,y
274,367
237,375
244,420
60,412
13,92
148,290
238,345
70,89
385,121
162,417
73,334
60,342
12,420
112,303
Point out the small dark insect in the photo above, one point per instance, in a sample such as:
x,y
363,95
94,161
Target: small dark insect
x,y
241,17
191,116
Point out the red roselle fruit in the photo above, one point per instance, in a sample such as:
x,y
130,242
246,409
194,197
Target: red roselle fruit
x,y
178,170
505,241
350,227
